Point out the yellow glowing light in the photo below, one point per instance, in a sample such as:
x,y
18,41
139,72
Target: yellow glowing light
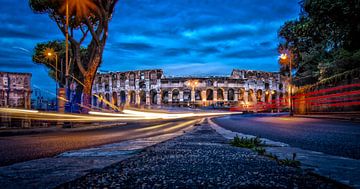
x,y
283,56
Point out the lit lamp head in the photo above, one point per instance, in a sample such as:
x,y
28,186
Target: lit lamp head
x,y
49,53
283,56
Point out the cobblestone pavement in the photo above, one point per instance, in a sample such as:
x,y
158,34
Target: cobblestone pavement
x,y
199,159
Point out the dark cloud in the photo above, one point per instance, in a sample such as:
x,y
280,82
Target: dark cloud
x,y
221,34
251,53
176,51
132,46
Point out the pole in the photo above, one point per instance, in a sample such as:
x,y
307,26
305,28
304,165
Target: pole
x,y
56,81
67,66
290,86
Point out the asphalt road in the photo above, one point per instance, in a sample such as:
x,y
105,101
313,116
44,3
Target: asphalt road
x,y
15,149
335,137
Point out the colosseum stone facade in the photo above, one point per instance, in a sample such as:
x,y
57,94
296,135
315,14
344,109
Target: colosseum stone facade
x,y
243,88
15,90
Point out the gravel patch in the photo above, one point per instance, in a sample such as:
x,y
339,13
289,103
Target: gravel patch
x,y
199,159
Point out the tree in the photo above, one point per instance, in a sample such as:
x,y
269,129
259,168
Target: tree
x,y
324,39
86,17
57,47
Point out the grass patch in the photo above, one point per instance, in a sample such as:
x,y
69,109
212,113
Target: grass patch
x,y
246,142
257,145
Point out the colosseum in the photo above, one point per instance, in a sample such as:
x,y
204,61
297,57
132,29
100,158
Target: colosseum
x,y
243,88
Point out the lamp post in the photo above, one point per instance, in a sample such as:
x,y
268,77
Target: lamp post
x,y
287,56
192,84
50,55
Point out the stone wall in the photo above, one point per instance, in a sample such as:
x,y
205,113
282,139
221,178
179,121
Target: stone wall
x,y
150,87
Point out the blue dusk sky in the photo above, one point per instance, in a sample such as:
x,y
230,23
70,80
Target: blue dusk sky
x,y
182,37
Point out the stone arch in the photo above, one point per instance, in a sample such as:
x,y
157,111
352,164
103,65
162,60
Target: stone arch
x,y
175,96
187,95
153,96
241,94
122,97
165,97
142,97
94,100
209,94
259,94
132,77
281,86
251,95
198,95
231,94
142,85
281,98
107,98
132,97
122,80
274,96
267,96
153,77
220,95
115,99
101,101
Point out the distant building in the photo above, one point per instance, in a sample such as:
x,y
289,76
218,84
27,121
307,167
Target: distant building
x,y
242,88
15,90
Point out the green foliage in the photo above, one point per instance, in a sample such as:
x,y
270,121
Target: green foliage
x,y
260,150
246,142
325,40
40,57
289,162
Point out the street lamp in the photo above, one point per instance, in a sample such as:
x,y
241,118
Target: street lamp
x,y
284,57
50,54
192,84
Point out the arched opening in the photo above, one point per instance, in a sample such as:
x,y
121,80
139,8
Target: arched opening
x,y
273,97
165,97
101,101
132,79
259,95
142,96
122,97
94,100
209,94
175,96
231,95
107,98
122,80
242,94
281,98
114,99
198,95
187,95
220,95
267,96
251,95
267,86
153,96
281,86
153,78
142,85
132,97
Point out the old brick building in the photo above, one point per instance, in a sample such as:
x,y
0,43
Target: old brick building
x,y
15,90
152,87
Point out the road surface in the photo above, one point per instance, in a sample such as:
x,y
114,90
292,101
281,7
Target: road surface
x,y
335,137
27,147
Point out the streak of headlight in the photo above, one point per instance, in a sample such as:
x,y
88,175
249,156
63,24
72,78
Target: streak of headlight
x,y
18,110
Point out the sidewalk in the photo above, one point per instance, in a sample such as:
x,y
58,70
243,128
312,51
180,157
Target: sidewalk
x,y
199,159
